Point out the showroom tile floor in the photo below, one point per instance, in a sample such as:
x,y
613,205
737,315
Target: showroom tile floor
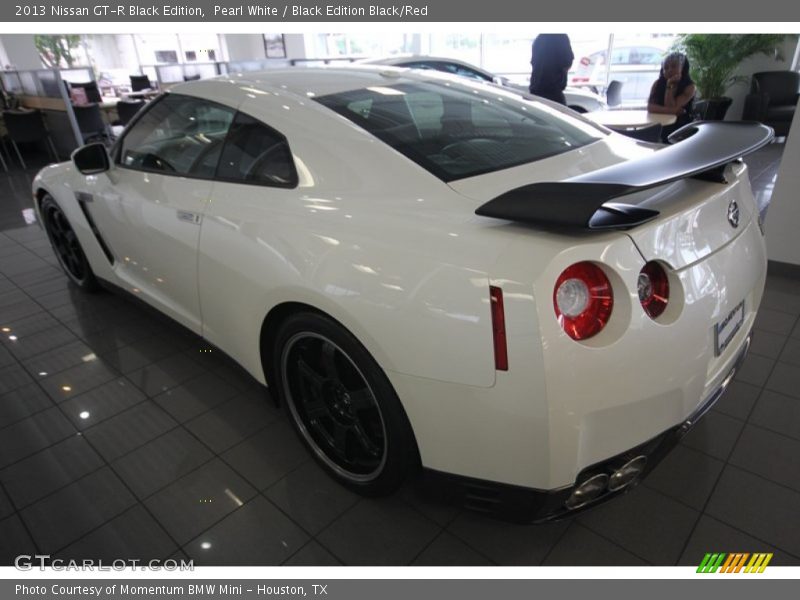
x,y
122,435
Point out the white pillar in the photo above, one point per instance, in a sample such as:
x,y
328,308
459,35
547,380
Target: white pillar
x,y
21,53
783,216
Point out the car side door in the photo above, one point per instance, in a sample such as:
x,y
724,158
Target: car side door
x,y
242,248
151,211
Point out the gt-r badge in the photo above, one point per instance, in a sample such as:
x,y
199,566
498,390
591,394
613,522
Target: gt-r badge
x,y
733,214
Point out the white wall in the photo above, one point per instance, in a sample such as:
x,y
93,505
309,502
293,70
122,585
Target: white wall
x,y
755,64
20,51
783,216
244,46
295,45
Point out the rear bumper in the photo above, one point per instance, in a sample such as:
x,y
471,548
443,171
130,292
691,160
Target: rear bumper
x,y
532,505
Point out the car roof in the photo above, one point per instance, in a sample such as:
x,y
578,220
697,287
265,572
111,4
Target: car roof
x,y
313,81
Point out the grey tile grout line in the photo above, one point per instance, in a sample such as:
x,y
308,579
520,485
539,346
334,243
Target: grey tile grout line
x,y
442,532
602,536
572,523
17,514
617,544
755,537
733,448
81,433
719,520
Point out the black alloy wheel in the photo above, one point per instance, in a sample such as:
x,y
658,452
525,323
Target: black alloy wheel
x,y
66,245
343,406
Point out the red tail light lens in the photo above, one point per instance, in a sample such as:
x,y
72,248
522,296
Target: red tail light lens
x,y
499,329
653,287
583,300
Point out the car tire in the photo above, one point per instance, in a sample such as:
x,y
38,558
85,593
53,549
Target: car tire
x,y
342,405
578,109
66,246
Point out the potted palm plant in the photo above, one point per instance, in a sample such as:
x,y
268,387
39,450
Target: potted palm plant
x,y
714,58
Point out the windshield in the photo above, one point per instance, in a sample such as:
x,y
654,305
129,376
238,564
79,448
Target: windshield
x,y
457,131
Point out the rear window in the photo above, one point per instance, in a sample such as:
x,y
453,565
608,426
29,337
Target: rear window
x,y
456,132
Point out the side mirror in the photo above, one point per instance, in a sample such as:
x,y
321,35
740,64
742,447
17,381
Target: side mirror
x,y
91,159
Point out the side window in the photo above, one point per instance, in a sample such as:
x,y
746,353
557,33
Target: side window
x,y
255,153
179,135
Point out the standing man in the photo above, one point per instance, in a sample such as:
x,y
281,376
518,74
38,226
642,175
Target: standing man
x,y
551,58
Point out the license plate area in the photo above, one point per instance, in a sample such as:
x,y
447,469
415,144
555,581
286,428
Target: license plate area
x,y
725,330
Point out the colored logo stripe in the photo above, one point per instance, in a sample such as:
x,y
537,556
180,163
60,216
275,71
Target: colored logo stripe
x,y
733,563
758,563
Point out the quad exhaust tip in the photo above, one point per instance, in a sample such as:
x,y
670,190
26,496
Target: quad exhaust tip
x,y
627,473
587,491
596,486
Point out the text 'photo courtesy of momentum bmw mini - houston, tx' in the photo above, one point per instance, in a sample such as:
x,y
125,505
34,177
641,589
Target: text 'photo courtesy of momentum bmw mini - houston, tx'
x,y
432,273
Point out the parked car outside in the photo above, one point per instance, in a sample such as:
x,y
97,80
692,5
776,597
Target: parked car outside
x,y
636,67
579,100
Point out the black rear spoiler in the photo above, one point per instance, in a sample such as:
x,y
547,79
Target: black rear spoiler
x,y
700,149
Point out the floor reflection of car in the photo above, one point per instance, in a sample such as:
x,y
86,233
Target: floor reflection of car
x,y
577,99
636,67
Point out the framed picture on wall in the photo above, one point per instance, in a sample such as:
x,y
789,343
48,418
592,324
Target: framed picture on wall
x,y
274,45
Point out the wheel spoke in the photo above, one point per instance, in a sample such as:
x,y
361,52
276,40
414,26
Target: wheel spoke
x,y
340,439
361,399
328,359
315,409
363,439
310,379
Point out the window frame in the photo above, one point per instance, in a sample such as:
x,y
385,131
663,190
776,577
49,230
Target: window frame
x,y
295,179
116,149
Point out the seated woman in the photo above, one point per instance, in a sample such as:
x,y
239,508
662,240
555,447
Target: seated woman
x,y
673,92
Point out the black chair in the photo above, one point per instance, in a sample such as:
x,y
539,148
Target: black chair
x,y
711,110
614,93
127,109
91,123
91,89
773,99
27,127
191,77
140,82
651,133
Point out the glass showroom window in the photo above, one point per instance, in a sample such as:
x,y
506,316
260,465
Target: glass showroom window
x,y
113,57
332,45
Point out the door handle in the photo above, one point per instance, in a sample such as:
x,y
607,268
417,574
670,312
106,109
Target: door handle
x,y
189,217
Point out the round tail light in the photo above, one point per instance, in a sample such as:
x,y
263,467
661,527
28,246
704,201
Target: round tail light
x,y
653,288
583,300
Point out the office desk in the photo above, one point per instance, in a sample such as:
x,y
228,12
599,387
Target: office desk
x,y
629,119
141,95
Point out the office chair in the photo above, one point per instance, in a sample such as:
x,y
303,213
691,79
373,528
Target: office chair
x,y
127,109
140,82
614,93
91,123
91,89
773,99
25,127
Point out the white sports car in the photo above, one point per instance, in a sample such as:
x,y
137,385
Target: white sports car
x,y
427,271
